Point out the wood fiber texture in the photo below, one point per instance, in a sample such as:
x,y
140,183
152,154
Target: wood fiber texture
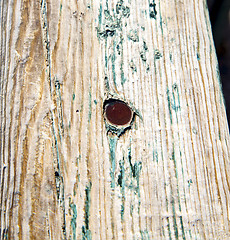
x,y
64,172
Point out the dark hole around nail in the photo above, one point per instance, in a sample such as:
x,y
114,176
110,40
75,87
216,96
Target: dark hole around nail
x,y
117,112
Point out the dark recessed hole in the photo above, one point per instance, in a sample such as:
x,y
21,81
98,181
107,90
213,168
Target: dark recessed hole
x,y
117,112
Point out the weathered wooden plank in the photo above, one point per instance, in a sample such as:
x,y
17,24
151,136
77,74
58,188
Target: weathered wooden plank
x,y
65,172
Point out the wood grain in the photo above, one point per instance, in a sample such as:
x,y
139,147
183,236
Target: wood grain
x,y
63,173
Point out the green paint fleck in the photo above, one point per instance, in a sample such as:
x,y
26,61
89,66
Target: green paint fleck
x,y
95,101
198,56
157,54
112,147
133,36
73,219
194,130
107,83
123,80
189,182
169,105
147,68
122,10
143,56
176,98
143,52
73,96
145,46
145,235
182,228
135,173
133,66
155,155
174,219
169,230
152,10
118,49
121,183
60,8
78,177
161,21
86,233
100,16
59,108
112,24
78,159
131,209
173,104
113,59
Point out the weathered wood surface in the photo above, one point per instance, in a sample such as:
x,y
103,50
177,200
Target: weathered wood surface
x,y
62,175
